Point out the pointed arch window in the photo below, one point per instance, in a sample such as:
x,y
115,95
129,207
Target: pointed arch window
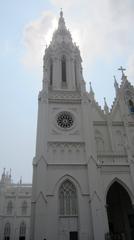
x,y
68,199
7,231
51,72
131,106
24,208
63,69
22,233
9,208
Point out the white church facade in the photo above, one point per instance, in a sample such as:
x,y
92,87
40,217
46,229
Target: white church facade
x,y
83,170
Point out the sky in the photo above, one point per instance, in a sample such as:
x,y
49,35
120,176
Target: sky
x,y
103,30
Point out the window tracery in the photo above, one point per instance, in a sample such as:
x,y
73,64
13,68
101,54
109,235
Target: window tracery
x,y
65,119
22,229
68,199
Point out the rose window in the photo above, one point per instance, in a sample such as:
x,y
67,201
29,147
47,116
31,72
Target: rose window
x,y
65,120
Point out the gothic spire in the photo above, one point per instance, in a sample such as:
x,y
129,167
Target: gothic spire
x,y
61,24
91,90
62,34
116,85
106,108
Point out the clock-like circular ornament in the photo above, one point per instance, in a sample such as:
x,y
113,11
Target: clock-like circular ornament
x,y
65,120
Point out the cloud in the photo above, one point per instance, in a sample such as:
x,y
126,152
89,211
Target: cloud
x,y
101,29
36,36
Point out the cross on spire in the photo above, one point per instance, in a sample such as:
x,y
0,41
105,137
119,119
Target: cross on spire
x,y
122,70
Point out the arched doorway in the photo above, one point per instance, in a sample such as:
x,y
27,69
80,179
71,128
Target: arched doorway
x,y
120,213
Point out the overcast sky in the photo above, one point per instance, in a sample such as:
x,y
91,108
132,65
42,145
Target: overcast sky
x,y
105,34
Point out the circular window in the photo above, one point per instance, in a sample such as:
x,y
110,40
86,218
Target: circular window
x,y
65,119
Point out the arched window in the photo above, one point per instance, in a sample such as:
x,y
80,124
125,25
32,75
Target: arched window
x,y
63,69
24,208
131,106
51,72
9,207
22,231
7,231
68,199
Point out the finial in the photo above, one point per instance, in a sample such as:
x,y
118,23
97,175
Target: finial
x,y
106,108
91,90
61,24
116,85
122,70
10,172
4,173
61,13
21,180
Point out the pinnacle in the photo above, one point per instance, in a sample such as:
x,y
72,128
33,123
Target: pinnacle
x,y
62,34
61,24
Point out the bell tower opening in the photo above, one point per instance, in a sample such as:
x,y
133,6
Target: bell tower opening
x,y
120,213
63,70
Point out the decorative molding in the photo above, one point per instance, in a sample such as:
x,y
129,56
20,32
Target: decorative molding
x,y
112,155
100,123
64,95
118,123
77,146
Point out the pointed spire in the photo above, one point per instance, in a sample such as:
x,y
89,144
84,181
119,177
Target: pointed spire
x,y
20,182
62,34
61,24
106,108
3,175
10,174
116,85
91,90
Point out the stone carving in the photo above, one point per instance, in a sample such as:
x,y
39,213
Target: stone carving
x,y
65,119
66,146
64,95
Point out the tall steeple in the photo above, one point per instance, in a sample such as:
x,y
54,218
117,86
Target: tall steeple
x,y
62,61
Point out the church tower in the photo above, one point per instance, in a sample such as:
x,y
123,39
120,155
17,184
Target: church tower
x,y
75,156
